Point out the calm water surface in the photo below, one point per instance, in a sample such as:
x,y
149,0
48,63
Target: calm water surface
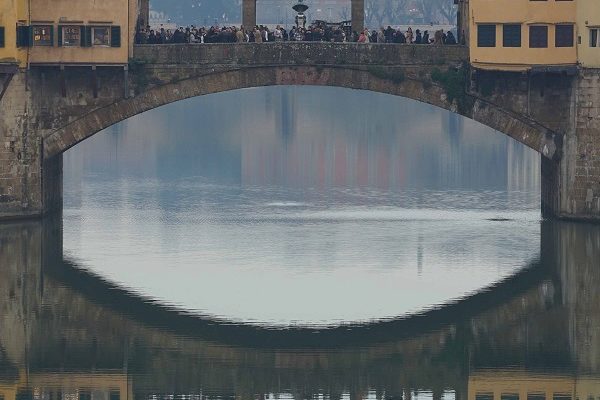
x,y
300,243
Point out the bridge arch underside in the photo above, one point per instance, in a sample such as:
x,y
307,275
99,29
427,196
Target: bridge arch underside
x,y
521,288
416,85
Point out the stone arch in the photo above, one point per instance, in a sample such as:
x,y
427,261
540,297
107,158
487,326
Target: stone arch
x,y
517,126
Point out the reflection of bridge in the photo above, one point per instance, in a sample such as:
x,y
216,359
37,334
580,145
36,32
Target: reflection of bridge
x,y
56,318
482,385
529,108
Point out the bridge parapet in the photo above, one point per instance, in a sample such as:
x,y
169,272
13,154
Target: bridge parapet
x,y
300,53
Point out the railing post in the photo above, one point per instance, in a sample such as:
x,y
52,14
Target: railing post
x,y
358,15
249,14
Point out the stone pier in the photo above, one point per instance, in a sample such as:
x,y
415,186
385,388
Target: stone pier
x,y
358,15
571,184
248,13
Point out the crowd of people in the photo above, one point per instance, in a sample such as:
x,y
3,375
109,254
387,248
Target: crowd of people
x,y
318,32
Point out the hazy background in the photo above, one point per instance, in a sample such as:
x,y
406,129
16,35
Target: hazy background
x,y
377,12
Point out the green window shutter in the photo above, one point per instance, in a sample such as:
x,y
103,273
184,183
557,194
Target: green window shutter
x,y
87,37
2,36
30,36
115,36
60,36
82,36
22,36
52,35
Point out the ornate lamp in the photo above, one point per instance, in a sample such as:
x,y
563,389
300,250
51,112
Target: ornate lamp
x,y
300,8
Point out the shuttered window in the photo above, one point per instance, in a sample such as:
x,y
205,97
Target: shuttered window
x,y
69,35
100,36
43,35
2,37
511,35
563,35
594,38
24,36
538,37
486,35
115,36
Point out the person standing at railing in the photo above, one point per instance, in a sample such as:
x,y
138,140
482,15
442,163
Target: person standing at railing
x,y
363,38
409,35
278,34
257,35
239,36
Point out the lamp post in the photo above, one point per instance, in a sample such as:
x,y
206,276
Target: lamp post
x,y
300,8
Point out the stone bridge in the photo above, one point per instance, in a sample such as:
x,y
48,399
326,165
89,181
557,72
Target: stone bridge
x,y
48,109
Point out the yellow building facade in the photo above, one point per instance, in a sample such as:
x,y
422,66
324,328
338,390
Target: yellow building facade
x,y
64,32
588,33
12,14
523,34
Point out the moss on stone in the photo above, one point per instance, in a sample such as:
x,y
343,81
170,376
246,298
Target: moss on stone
x,y
454,81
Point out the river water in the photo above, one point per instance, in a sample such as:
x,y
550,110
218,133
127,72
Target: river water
x,y
300,242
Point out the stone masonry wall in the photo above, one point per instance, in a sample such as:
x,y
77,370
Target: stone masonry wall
x,y
584,193
20,174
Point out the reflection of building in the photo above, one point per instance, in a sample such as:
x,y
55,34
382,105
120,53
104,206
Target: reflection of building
x,y
523,385
523,172
63,386
520,385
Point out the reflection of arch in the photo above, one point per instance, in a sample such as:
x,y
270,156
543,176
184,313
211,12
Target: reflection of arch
x,y
150,313
517,126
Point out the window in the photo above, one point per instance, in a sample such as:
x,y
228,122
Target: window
x,y
563,36
484,396
100,36
511,35
486,35
70,36
509,396
85,395
2,39
536,396
594,37
538,37
561,396
43,35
